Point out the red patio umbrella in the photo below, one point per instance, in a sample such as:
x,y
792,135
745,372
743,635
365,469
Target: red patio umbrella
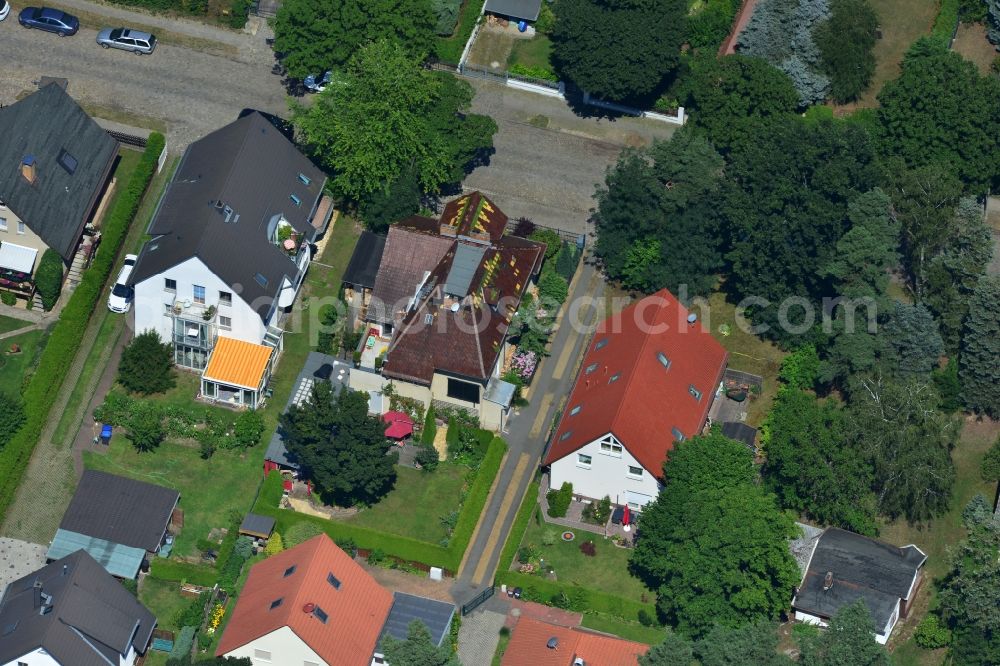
x,y
626,515
400,425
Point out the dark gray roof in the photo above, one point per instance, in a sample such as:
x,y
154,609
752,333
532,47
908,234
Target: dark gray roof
x,y
862,568
463,268
246,171
120,510
93,621
521,9
436,616
363,267
256,524
741,432
46,125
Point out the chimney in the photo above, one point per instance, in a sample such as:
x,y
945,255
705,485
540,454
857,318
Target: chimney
x,y
28,169
36,594
828,581
65,569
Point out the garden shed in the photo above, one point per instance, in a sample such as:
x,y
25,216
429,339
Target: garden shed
x,y
257,526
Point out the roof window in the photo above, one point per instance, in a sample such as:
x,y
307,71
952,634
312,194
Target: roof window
x,y
695,393
289,571
601,344
277,602
615,377
662,358
575,410
67,161
260,279
678,435
591,368
565,435
333,580
320,614
295,199
304,179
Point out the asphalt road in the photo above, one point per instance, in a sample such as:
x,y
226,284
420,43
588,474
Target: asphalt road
x,y
191,91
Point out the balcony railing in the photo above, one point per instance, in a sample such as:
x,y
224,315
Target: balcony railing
x,y
186,308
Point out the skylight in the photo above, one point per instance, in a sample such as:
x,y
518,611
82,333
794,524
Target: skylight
x,y
277,602
295,199
304,179
260,279
333,580
289,571
67,161
320,614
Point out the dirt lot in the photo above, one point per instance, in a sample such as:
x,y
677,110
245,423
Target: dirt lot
x,y
972,44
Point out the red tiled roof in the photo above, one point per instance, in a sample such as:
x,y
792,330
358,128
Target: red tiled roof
x,y
646,401
529,647
357,610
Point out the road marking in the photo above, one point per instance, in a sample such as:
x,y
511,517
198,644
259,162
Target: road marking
x,y
543,410
522,466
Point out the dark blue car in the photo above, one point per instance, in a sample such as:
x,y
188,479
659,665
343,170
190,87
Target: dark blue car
x,y
50,20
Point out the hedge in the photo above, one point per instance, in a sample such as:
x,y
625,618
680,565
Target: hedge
x,y
946,22
399,547
517,530
176,570
67,334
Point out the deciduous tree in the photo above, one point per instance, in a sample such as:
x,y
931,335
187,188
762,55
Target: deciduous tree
x,y
848,641
418,649
145,427
978,366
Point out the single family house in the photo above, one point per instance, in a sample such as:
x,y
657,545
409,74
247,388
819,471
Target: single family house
x,y
537,643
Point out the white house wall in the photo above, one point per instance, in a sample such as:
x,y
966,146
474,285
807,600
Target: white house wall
x,y
152,297
881,639
285,648
37,658
608,474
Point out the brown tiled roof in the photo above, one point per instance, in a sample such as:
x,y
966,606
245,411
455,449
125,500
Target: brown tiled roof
x,y
473,216
411,249
356,607
530,639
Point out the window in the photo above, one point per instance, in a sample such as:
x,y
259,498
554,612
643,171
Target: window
x,y
634,471
67,161
633,505
263,655
583,459
695,393
591,368
678,435
295,199
612,448
169,285
601,344
260,279
428,319
320,614
464,391
333,580
3,224
20,228
566,435
662,358
289,571
615,377
309,663
304,179
277,602
225,298
199,294
575,410
226,322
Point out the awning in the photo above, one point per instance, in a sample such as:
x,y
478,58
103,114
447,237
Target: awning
x,y
238,363
17,257
500,392
117,559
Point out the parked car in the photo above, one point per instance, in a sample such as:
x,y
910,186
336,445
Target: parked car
x,y
127,40
315,83
120,299
49,20
5,10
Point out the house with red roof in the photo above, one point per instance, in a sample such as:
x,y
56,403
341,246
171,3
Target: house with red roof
x,y
537,643
649,377
314,605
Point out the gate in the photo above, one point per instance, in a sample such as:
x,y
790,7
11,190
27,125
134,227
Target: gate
x,y
477,600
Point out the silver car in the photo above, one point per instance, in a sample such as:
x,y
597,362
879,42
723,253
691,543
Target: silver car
x,y
127,40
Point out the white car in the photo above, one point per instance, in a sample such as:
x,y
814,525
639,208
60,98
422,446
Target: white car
x,y
5,10
120,299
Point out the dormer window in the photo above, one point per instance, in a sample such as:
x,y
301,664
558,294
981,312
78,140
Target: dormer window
x,y
695,393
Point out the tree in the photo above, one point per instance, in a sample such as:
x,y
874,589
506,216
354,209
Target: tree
x,y
12,416
417,650
313,36
147,364
911,342
339,446
49,277
993,21
675,650
249,428
398,200
812,468
848,641
729,94
898,429
845,42
942,111
275,544
869,250
714,545
978,369
754,643
800,369
145,427
618,50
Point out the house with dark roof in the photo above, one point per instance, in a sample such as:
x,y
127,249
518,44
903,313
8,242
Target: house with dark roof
x,y
55,165
648,379
313,604
231,243
442,302
72,613
119,521
514,10
845,567
537,643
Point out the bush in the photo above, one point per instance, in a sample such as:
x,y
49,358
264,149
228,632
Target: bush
x,y
546,19
207,449
567,259
931,634
238,12
48,278
990,467
533,72
12,416
945,23
145,428
275,544
249,428
553,287
549,537
588,548
132,585
645,618
598,512
429,431
183,643
427,458
446,12
710,26
192,614
147,364
800,368
8,298
547,236
348,546
327,339
559,500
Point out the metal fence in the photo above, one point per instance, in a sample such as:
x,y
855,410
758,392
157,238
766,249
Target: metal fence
x,y
478,600
568,236
128,139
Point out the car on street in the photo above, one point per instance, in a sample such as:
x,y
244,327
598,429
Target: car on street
x,y
49,20
127,40
316,83
5,10
120,299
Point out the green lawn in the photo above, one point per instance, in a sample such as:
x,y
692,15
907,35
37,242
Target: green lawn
x,y
164,600
14,366
449,49
534,52
632,631
607,571
209,489
8,324
415,506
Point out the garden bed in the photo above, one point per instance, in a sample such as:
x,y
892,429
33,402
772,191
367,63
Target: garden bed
x,y
532,57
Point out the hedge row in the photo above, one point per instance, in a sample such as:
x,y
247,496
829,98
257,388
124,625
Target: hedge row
x,y
175,570
946,22
67,334
399,547
518,528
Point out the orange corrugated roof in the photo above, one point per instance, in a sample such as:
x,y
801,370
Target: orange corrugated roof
x,y
529,647
356,610
238,363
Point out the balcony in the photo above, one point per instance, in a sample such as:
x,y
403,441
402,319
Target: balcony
x,y
186,308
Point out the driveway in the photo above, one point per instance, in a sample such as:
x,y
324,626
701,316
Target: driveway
x,y
548,160
189,92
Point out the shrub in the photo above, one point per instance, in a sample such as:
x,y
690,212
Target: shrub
x,y
427,458
553,287
526,553
275,545
132,585
327,338
931,634
183,643
429,431
243,547
990,466
207,449
238,12
8,298
559,500
347,545
192,614
446,12
147,364
645,618
546,19
588,548
145,427
946,22
376,556
524,228
175,570
48,278
598,512
547,236
249,428
800,368
11,416
567,260
549,537
115,409
533,72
